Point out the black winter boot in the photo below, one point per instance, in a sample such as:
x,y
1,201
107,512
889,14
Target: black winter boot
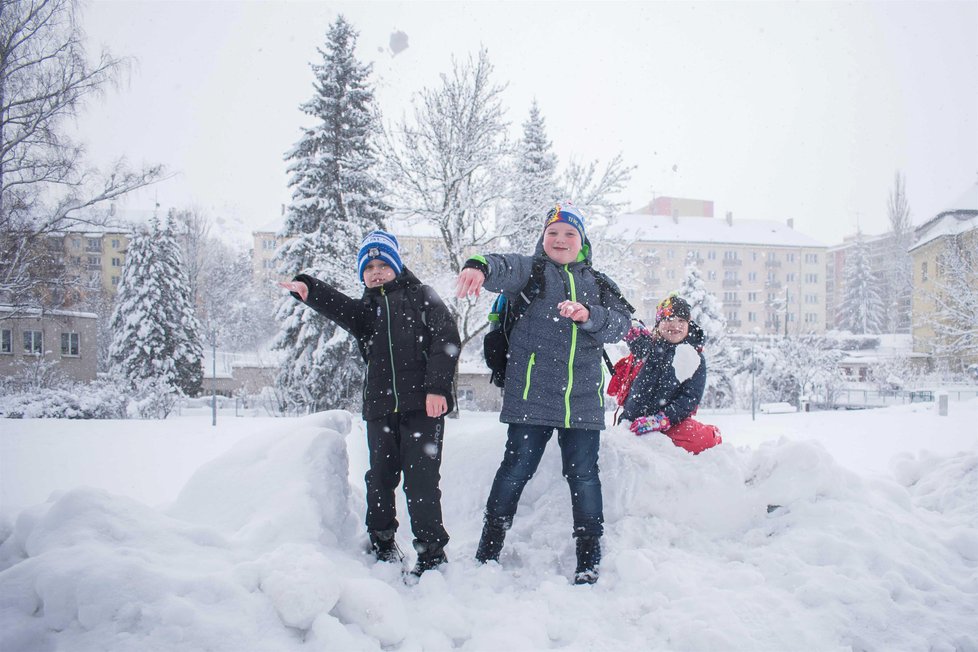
x,y
491,541
588,558
385,547
430,556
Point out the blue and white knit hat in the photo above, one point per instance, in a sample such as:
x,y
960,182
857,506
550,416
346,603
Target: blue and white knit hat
x,y
564,212
379,244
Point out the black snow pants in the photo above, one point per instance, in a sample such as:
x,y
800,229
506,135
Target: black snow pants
x,y
408,443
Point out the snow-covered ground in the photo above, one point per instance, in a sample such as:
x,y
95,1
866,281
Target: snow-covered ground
x,y
143,535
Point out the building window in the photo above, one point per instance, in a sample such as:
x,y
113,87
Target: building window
x,y
810,318
116,261
6,341
923,271
751,316
811,278
671,274
790,316
790,257
730,255
116,243
76,243
729,296
811,258
753,255
93,245
751,276
94,262
732,316
711,275
772,255
790,277
670,254
711,255
752,296
730,275
268,245
33,342
115,281
69,344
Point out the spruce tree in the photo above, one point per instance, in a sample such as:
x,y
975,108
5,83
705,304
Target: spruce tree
x,y
707,312
535,187
335,202
862,309
156,335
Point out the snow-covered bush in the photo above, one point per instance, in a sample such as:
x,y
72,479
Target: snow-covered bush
x,y
99,400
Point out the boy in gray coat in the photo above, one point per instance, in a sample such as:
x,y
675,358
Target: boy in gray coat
x,y
554,377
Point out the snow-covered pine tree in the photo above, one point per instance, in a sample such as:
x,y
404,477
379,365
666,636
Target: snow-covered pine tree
x,y
721,359
955,303
861,309
535,188
896,282
336,200
156,336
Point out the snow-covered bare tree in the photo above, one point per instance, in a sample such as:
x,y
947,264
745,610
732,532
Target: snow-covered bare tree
x,y
534,190
448,170
45,76
721,360
954,315
336,200
229,304
593,188
897,273
861,309
156,336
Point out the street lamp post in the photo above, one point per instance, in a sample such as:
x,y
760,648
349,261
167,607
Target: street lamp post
x,y
753,370
214,377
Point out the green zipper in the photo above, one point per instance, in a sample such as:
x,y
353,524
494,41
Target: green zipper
x,y
529,369
390,346
573,349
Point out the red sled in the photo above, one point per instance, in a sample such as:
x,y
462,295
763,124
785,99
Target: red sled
x,y
694,436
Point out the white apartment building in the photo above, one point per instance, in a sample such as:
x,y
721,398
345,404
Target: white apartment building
x,y
769,277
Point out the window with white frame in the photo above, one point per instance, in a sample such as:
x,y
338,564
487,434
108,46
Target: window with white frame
x,y
6,341
752,296
69,344
811,278
33,342
711,255
811,258
751,316
790,277
752,276
711,275
116,261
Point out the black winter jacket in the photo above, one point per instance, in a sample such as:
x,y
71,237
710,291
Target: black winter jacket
x,y
671,381
407,338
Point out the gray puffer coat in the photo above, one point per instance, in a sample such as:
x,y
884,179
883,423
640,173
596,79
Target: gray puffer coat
x,y
555,375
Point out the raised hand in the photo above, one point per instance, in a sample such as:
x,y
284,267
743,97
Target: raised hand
x,y
470,282
298,287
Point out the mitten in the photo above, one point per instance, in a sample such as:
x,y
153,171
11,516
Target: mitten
x,y
645,425
636,332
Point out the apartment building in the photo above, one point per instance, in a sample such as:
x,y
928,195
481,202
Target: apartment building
x,y
68,338
953,230
769,277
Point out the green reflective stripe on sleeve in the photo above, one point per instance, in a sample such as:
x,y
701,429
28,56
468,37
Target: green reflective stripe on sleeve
x,y
479,258
529,369
601,384
570,359
390,346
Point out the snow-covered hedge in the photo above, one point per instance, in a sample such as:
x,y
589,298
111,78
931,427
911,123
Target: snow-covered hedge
x,y
94,401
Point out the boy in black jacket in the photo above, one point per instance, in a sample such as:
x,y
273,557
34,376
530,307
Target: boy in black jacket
x,y
411,345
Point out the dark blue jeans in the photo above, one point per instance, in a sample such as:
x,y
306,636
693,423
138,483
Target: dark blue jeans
x,y
579,454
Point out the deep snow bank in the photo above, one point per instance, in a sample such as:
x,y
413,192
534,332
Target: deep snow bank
x,y
261,551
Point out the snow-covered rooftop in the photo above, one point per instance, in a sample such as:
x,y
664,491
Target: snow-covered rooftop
x,y
660,228
37,312
959,217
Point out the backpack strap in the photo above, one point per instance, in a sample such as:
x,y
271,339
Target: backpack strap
x,y
530,291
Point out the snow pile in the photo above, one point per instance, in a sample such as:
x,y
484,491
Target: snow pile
x,y
263,550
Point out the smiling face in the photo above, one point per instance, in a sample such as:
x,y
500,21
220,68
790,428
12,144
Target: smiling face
x,y
376,273
561,242
673,329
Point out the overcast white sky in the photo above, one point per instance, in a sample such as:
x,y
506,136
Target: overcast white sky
x,y
799,110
